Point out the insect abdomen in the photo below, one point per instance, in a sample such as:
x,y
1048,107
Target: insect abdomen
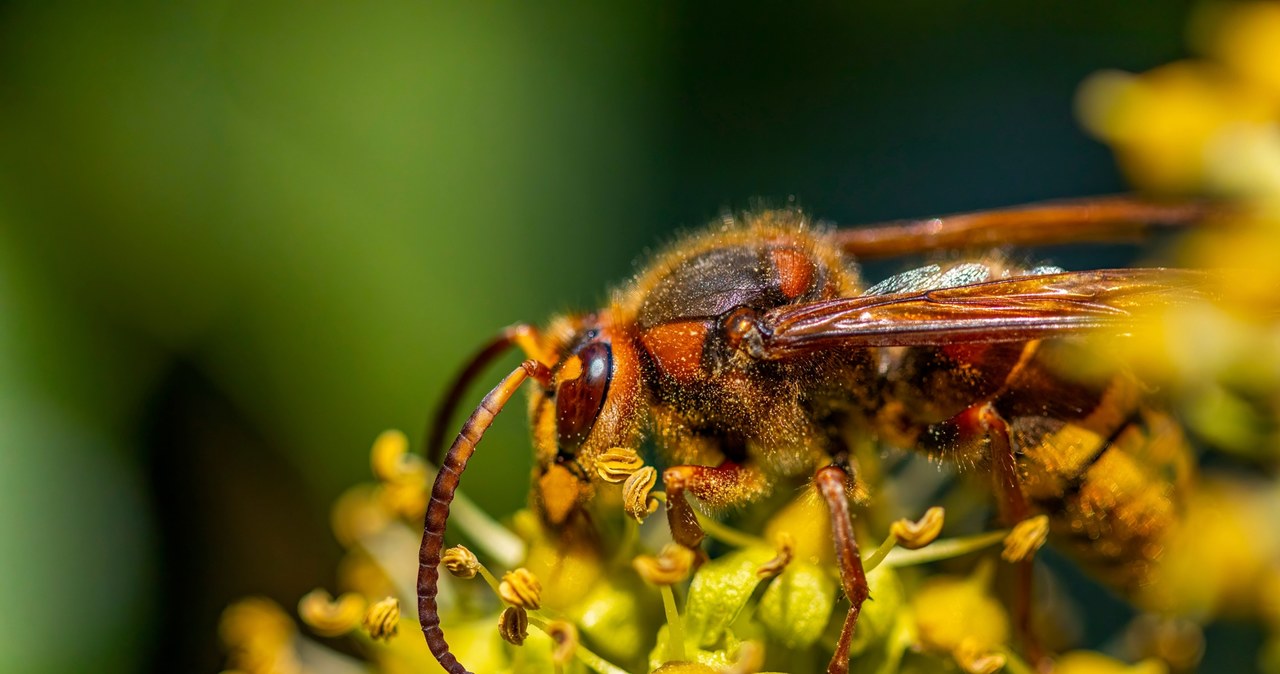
x,y
1113,509
1096,457
1092,452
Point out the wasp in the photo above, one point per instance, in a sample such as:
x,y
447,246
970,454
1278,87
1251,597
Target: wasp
x,y
751,352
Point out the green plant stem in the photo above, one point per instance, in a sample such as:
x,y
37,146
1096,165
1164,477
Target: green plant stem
x,y
881,552
675,630
943,549
729,535
488,578
586,655
626,546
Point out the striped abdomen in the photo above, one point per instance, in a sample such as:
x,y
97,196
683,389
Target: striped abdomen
x,y
1092,451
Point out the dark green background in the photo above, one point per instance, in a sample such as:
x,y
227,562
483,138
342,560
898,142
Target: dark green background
x,y
237,240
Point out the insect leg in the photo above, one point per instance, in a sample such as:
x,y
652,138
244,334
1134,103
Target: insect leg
x,y
717,486
830,482
1014,507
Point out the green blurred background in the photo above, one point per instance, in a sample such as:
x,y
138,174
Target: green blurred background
x,y
237,240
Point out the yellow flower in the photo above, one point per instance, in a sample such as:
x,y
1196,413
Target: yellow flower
x,y
259,637
1166,124
960,614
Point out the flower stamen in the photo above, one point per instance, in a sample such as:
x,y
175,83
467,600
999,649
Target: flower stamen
x,y
1027,536
974,659
382,620
564,636
331,617
617,464
514,625
671,566
460,562
775,566
521,588
915,535
635,493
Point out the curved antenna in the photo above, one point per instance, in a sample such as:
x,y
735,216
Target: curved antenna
x,y
1092,219
442,492
434,441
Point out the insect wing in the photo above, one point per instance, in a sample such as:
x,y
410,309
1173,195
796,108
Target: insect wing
x,y
1016,309
1092,219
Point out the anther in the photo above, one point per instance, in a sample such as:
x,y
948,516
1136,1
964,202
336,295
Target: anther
x,y
775,566
671,566
514,625
915,535
460,562
390,458
635,493
521,588
404,487
255,631
329,617
617,464
564,636
1027,536
382,620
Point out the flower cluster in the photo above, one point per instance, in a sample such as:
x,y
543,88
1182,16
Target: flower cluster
x,y
1210,126
768,600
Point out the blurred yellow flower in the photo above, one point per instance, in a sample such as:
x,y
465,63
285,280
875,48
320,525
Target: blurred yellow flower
x,y
960,616
1166,124
1090,662
259,636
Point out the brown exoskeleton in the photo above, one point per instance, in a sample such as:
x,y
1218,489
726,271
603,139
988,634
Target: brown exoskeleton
x,y
749,352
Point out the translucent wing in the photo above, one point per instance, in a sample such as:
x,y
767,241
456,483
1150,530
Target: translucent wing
x,y
1016,309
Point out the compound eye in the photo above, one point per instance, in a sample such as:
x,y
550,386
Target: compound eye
x,y
583,380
